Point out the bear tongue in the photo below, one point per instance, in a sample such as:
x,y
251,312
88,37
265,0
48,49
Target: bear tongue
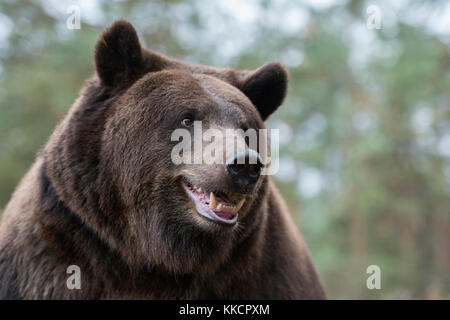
x,y
228,215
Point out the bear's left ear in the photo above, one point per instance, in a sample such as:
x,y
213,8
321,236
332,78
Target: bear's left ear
x,y
118,54
266,87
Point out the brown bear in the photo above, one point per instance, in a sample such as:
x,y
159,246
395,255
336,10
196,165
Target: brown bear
x,y
103,194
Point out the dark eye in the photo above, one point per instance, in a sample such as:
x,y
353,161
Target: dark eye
x,y
187,122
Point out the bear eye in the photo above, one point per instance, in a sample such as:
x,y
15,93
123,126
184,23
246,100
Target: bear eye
x,y
187,122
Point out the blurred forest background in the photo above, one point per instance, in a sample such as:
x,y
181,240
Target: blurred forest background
x,y
365,130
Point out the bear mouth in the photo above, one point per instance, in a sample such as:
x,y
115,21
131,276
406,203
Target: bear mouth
x,y
215,206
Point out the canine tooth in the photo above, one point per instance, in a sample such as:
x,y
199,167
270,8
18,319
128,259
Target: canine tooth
x,y
220,206
240,204
212,201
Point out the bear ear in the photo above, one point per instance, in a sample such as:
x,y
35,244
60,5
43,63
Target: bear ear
x,y
118,54
266,87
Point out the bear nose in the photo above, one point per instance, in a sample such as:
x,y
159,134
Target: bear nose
x,y
244,167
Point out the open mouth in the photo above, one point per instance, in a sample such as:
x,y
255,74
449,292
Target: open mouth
x,y
216,206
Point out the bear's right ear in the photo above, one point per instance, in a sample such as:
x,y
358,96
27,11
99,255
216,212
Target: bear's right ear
x,y
118,55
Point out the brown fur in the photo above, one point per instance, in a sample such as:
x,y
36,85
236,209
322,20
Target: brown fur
x,y
104,195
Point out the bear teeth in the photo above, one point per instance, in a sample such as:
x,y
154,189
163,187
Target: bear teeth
x,y
212,201
213,205
240,204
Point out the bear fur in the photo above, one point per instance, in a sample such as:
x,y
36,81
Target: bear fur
x,y
103,194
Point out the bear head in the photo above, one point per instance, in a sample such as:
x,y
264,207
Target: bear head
x,y
111,159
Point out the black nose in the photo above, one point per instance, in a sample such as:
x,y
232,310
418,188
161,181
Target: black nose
x,y
244,167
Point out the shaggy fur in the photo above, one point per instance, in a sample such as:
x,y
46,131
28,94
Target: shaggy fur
x,y
104,195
